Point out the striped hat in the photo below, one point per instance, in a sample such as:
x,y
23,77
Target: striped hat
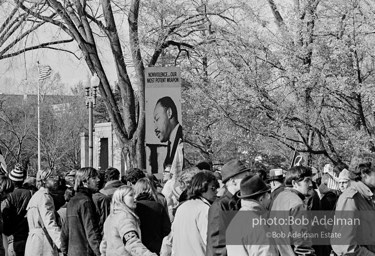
x,y
17,173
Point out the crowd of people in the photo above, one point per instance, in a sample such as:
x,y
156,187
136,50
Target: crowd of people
x,y
197,212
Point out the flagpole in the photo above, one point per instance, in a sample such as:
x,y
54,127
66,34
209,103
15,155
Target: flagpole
x,y
39,156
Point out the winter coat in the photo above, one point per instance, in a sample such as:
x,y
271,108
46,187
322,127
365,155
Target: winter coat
x,y
80,234
220,215
328,197
189,228
155,223
274,194
358,197
118,225
13,210
291,203
102,201
37,244
249,241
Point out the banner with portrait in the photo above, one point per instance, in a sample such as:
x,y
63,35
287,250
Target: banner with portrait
x,y
163,116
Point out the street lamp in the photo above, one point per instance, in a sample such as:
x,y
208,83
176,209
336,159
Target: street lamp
x,y
91,91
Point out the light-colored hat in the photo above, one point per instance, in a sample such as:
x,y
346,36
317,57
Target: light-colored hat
x,y
17,174
344,175
276,174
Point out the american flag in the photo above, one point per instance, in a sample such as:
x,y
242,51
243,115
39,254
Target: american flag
x,y
3,165
44,72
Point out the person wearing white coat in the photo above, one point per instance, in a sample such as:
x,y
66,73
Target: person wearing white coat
x,y
41,218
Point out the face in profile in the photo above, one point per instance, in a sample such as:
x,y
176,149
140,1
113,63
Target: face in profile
x,y
93,183
129,200
343,184
162,122
303,186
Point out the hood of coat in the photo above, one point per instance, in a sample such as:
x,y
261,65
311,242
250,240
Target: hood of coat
x,y
362,189
110,187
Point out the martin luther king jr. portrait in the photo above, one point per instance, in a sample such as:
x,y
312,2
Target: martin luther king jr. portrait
x,y
167,127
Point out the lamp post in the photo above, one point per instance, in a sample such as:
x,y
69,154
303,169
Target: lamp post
x,y
91,93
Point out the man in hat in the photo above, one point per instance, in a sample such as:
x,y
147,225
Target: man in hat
x,y
344,180
232,174
276,180
242,236
290,203
14,212
356,199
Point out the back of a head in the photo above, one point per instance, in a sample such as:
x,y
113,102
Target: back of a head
x,y
297,173
203,166
112,174
199,184
134,174
145,186
6,185
187,175
118,198
17,175
83,175
361,168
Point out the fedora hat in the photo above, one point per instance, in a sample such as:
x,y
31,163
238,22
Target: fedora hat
x,y
276,174
233,168
251,186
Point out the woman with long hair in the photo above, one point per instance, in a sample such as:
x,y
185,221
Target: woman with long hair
x,y
155,223
189,227
122,233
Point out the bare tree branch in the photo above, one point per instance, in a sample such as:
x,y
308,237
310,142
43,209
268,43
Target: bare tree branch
x,y
43,45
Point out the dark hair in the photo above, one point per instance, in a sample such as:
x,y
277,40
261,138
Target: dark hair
x,y
167,102
17,184
297,173
112,174
133,175
199,184
204,166
260,169
6,185
360,169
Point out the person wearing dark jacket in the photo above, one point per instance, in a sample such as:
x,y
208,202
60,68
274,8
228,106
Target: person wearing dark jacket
x,y
153,216
232,172
14,213
80,234
102,199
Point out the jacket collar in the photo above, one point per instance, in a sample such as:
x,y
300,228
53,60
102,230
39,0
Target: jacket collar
x,y
111,185
252,205
362,189
296,192
84,191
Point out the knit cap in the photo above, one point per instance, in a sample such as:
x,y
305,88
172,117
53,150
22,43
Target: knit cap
x,y
17,173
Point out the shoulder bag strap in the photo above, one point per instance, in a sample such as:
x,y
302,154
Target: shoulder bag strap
x,y
50,241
